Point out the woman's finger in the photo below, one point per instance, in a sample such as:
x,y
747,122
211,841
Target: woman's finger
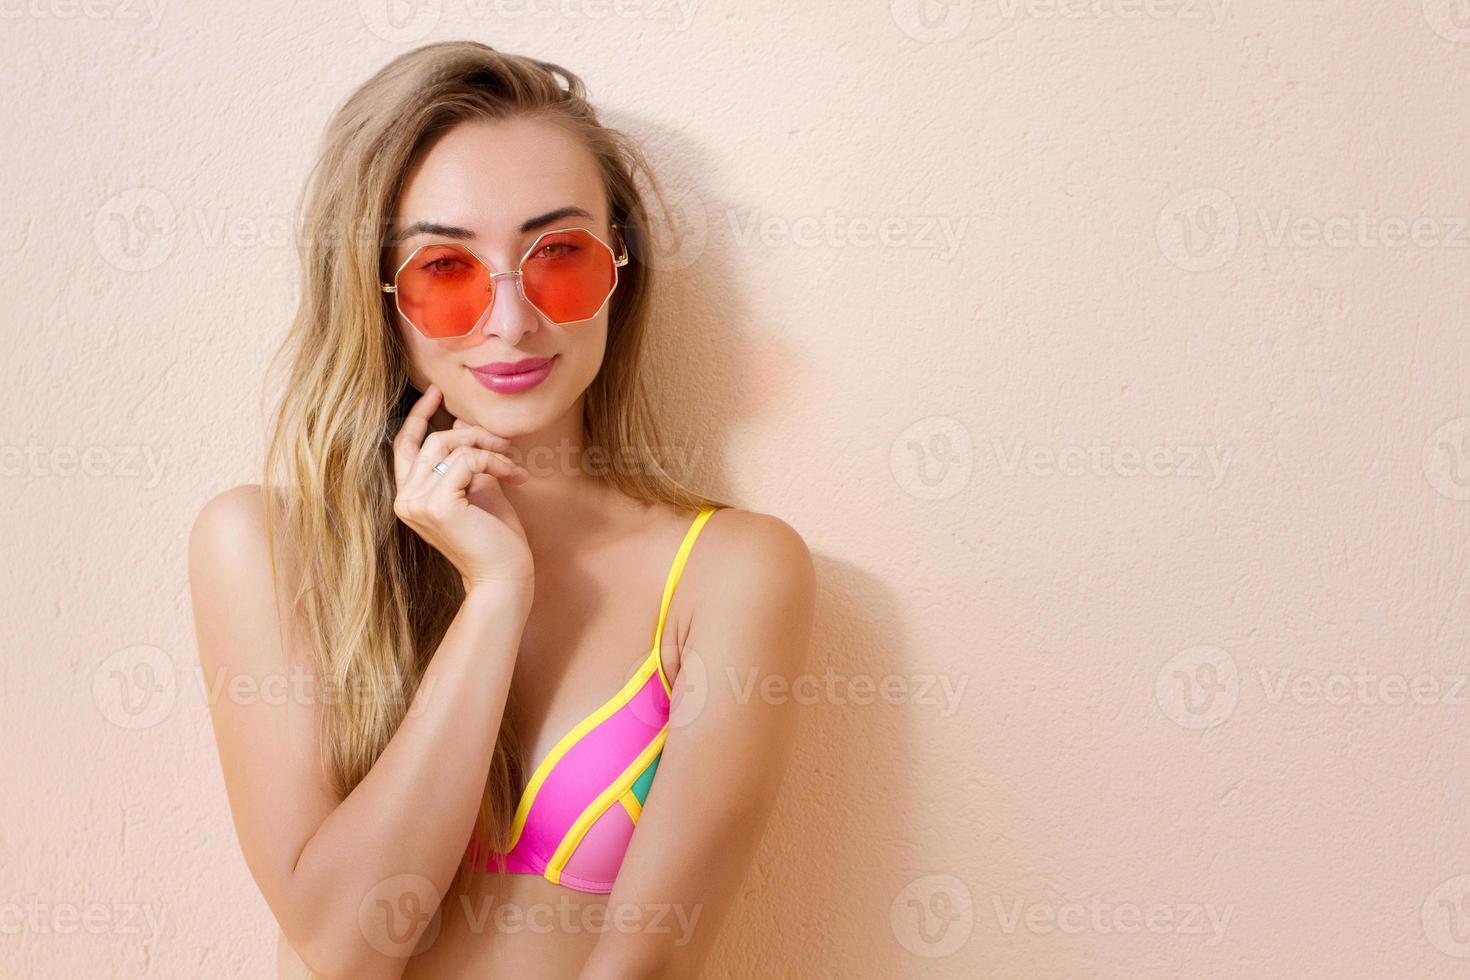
x,y
407,442
438,445
464,462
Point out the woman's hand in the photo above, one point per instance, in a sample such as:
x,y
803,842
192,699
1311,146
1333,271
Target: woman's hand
x,y
463,513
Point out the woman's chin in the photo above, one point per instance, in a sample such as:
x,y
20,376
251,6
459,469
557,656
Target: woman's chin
x,y
511,416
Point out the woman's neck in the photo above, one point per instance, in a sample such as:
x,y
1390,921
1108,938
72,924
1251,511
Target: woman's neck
x,y
566,499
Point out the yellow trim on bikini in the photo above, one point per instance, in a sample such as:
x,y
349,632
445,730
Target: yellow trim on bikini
x,y
675,572
631,804
650,663
599,806
571,738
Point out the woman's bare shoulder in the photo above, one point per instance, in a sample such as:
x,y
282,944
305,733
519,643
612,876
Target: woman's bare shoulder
x,y
752,592
753,564
231,577
232,524
236,515
752,543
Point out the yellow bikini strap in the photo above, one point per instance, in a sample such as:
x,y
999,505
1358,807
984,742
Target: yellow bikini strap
x,y
678,569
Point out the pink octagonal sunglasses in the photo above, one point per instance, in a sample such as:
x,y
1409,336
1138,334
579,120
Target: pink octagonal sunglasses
x,y
444,289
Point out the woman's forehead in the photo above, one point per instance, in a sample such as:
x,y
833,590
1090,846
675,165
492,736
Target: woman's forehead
x,y
492,176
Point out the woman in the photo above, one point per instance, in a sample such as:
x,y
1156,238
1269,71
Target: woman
x,y
511,635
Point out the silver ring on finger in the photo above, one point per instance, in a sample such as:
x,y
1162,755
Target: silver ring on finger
x,y
441,467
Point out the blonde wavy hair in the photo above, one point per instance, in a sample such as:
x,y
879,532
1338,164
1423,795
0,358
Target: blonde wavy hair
x,y
375,598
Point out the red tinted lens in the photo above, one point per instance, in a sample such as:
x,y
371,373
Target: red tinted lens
x,y
568,275
443,290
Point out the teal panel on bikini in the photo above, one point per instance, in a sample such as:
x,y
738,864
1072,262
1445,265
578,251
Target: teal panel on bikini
x,y
641,784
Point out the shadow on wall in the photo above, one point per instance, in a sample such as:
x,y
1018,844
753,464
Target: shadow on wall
x,y
819,893
698,357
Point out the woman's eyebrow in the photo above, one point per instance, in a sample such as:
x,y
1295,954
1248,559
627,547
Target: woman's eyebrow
x,y
454,231
434,228
566,212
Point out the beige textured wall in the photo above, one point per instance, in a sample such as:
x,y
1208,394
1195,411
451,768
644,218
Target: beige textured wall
x,y
1111,358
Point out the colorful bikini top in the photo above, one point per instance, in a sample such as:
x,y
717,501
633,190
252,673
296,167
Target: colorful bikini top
x,y
576,816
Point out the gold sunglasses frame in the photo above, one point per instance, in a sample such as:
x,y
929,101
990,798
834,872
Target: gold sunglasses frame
x,y
619,257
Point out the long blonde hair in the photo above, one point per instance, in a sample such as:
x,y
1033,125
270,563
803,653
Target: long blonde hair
x,y
374,597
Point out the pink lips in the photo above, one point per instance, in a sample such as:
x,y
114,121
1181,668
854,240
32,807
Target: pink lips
x,y
510,377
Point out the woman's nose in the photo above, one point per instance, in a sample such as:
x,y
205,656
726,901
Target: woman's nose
x,y
511,316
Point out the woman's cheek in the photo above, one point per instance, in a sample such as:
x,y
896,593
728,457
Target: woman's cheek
x,y
591,353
